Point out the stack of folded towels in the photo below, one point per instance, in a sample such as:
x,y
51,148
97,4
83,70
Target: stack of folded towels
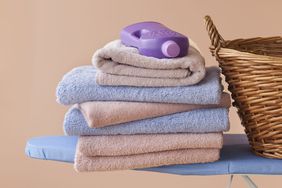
x,y
131,111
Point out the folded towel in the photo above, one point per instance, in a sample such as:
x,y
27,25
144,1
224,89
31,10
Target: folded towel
x,y
105,113
196,121
85,163
118,145
79,86
122,65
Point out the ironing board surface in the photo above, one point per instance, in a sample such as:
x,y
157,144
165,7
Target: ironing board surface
x,y
236,157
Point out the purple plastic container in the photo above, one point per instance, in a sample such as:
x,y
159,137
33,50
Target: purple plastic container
x,y
155,40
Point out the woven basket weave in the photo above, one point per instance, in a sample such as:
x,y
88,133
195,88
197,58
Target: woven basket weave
x,y
253,70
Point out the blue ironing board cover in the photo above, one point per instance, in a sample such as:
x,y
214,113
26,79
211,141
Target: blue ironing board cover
x,y
236,157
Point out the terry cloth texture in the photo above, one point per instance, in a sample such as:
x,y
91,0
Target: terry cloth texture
x,y
117,145
121,65
79,86
196,121
85,163
105,113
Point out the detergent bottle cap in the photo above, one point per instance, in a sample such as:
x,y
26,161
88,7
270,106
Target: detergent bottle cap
x,y
170,48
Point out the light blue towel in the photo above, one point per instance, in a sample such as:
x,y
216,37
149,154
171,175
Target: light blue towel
x,y
196,121
79,86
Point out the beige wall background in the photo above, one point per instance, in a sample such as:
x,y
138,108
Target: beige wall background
x,y
40,40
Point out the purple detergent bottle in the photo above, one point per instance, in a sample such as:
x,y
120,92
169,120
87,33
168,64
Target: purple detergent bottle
x,y
155,40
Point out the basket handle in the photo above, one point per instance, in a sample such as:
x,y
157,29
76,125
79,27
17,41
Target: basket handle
x,y
216,39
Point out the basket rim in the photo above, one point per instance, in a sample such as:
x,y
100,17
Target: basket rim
x,y
242,40
269,57
254,59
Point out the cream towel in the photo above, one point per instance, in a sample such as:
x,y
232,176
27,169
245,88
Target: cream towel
x,y
105,113
186,156
120,152
124,66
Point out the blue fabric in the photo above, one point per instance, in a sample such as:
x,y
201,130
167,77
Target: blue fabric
x,y
56,148
79,86
236,157
196,121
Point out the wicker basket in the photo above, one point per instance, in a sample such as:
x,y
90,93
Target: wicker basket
x,y
253,69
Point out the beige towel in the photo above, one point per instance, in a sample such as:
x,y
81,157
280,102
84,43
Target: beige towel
x,y
105,113
116,145
121,65
85,163
99,153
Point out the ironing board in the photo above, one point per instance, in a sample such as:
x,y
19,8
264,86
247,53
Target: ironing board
x,y
236,158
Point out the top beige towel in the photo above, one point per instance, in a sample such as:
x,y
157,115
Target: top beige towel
x,y
105,113
121,65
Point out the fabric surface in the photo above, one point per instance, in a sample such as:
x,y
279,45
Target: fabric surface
x,y
121,65
85,163
105,113
79,86
117,145
196,121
